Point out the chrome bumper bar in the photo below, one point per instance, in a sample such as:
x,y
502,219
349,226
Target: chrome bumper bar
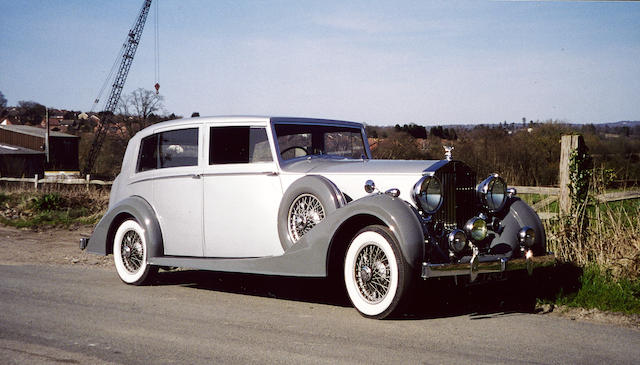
x,y
485,265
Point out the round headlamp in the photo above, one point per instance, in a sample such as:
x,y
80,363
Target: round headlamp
x,y
527,236
493,193
427,193
476,228
457,240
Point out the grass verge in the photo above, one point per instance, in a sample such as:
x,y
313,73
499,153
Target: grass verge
x,y
53,207
598,289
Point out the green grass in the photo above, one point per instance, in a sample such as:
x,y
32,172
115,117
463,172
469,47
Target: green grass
x,y
24,208
599,290
64,219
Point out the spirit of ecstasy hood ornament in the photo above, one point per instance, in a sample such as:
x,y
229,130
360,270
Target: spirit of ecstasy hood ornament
x,y
447,152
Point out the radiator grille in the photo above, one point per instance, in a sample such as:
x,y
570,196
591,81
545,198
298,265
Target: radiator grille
x,y
459,200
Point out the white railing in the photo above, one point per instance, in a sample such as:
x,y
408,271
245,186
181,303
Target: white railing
x,y
36,181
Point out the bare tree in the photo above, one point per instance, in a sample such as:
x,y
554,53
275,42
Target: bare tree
x,y
144,103
137,111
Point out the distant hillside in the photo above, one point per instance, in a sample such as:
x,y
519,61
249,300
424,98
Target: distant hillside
x,y
624,123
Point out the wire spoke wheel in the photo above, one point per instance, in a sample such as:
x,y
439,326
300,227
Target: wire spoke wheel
x,y
130,254
305,212
376,275
132,251
372,273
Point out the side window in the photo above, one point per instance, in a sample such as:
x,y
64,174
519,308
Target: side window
x,y
148,158
169,149
179,148
238,145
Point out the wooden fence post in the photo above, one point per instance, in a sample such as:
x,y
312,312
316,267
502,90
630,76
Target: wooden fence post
x,y
35,182
569,144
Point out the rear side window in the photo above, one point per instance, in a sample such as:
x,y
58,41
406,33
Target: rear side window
x,y
169,149
238,145
148,158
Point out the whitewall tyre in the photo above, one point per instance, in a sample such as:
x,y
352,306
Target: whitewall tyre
x,y
375,273
130,253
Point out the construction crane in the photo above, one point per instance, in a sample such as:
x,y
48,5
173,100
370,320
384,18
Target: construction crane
x,y
127,53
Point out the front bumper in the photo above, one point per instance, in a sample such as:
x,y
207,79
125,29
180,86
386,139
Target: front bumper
x,y
486,265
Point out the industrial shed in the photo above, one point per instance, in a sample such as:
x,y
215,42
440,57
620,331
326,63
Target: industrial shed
x,y
21,162
63,148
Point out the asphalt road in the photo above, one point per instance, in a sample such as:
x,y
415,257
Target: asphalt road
x,y
69,314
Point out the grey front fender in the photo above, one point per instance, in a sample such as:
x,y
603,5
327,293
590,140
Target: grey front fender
x,y
517,215
313,250
132,207
395,214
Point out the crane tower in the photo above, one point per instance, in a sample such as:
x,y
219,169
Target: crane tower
x,y
128,51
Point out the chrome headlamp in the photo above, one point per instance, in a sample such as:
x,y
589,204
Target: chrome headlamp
x,y
457,240
527,236
427,193
476,228
492,193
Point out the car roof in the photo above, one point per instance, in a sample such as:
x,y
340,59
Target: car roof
x,y
251,119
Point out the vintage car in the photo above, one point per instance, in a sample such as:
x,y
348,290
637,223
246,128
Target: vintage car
x,y
296,197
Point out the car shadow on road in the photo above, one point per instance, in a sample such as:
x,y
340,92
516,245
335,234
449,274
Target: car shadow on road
x,y
312,290
428,299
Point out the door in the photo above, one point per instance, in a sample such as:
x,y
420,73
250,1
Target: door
x,y
177,188
242,193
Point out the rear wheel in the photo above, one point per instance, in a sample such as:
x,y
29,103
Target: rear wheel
x,y
376,275
130,254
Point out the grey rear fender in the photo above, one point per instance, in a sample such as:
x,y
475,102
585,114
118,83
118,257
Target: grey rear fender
x,y
133,207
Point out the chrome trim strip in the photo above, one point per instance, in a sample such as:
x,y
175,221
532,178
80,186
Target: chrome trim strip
x,y
492,265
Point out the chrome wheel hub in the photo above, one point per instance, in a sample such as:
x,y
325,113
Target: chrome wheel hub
x,y
366,274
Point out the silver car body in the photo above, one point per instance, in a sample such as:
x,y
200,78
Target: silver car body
x,y
228,217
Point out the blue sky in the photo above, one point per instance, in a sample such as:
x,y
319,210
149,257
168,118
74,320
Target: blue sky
x,y
379,62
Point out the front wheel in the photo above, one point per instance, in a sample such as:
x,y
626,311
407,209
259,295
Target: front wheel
x,y
376,274
130,254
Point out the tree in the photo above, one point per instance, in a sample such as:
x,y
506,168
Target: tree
x,y
137,111
3,104
144,103
31,112
398,146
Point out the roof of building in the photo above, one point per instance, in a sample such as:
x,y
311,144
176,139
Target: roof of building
x,y
7,149
34,131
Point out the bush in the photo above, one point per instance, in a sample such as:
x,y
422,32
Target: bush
x,y
47,202
54,206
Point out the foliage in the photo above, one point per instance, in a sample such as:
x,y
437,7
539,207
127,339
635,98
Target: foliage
x,y
599,289
414,130
399,146
524,155
602,234
579,177
47,202
444,133
53,206
3,103
31,112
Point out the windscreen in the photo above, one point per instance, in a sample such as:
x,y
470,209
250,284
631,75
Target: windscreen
x,y
299,140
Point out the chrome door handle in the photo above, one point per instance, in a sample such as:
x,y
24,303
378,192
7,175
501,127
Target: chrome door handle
x,y
196,176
